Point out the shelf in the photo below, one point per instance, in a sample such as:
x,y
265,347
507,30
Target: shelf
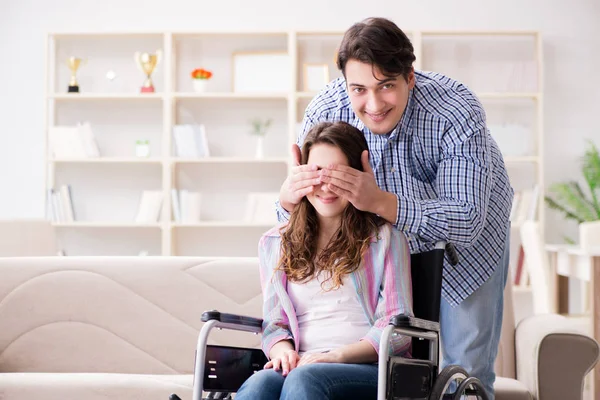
x,y
228,33
106,160
523,159
230,95
303,34
83,224
124,115
252,96
107,96
78,35
222,224
231,160
522,289
508,95
134,160
482,95
305,95
479,33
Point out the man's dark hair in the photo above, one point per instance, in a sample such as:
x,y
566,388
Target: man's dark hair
x,y
379,42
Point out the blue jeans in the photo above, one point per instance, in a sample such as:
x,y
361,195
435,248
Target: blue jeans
x,y
470,332
313,382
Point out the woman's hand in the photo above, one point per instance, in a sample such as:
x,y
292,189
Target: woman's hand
x,y
300,182
355,353
313,358
286,361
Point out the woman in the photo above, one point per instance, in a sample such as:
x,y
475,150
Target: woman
x,y
332,278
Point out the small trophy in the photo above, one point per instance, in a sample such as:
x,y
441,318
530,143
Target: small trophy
x,y
146,62
73,63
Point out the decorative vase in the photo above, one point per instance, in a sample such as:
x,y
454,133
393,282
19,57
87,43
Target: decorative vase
x,y
259,148
142,148
200,85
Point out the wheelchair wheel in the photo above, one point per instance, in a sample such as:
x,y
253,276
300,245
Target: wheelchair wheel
x,y
448,375
472,387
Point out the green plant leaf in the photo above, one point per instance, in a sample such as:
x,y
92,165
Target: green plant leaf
x,y
260,127
567,213
570,199
591,173
568,240
584,200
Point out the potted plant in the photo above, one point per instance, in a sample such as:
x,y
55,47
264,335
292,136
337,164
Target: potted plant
x,y
200,77
571,200
259,129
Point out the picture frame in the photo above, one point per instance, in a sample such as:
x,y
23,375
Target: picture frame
x,y
260,208
261,72
316,76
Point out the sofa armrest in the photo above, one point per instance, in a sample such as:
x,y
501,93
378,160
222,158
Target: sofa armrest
x,y
553,356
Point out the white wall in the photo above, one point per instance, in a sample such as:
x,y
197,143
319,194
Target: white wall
x,y
570,29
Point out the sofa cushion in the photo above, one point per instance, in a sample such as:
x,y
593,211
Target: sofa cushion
x,y
48,386
510,389
138,315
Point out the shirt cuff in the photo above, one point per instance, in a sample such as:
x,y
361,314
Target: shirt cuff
x,y
274,339
282,214
410,215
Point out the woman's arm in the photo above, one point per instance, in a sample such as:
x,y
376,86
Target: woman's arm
x,y
276,325
360,352
395,290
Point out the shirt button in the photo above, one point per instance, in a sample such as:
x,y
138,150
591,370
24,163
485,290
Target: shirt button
x,y
393,169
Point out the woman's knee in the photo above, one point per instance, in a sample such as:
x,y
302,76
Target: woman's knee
x,y
307,377
267,383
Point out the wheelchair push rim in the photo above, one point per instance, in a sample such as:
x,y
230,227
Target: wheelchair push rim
x,y
464,384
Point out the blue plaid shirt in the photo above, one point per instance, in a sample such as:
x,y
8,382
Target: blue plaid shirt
x,y
446,170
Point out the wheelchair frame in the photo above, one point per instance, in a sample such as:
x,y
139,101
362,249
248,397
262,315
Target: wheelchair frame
x,y
417,328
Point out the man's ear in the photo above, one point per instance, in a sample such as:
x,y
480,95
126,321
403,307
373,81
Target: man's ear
x,y
411,79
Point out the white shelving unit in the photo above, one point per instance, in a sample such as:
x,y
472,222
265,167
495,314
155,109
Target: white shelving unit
x,y
505,69
106,190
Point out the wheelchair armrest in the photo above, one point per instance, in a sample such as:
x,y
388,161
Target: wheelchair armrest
x,y
232,319
405,321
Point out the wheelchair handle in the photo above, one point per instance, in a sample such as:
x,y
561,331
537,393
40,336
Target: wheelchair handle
x,y
450,251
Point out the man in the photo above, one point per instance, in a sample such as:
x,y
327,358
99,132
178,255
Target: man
x,y
432,170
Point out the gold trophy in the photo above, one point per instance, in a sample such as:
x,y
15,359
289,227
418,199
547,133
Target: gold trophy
x,y
146,62
73,63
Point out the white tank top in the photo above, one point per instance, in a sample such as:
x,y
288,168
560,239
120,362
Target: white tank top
x,y
327,319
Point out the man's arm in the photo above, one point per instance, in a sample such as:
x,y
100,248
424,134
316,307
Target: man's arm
x,y
463,183
463,187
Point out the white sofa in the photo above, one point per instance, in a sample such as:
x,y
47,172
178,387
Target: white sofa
x,y
126,327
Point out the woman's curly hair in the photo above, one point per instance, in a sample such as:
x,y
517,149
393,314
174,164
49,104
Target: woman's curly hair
x,y
347,247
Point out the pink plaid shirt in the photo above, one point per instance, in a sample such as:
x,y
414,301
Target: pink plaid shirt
x,y
382,283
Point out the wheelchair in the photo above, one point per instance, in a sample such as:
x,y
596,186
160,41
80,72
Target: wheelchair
x,y
221,370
